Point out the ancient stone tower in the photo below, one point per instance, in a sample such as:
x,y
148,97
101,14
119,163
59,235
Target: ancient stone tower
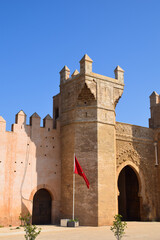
x,y
121,161
85,108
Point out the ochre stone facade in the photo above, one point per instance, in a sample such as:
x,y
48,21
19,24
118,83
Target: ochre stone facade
x,y
120,160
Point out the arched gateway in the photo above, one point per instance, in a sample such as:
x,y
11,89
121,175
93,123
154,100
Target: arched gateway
x,y
128,200
42,203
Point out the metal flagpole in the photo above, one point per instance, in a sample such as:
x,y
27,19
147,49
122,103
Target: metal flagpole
x,y
73,184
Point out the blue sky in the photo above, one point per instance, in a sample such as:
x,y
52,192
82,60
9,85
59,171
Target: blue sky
x,y
39,37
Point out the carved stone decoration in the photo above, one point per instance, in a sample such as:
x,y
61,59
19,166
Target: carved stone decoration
x,y
92,85
128,154
86,97
128,130
117,95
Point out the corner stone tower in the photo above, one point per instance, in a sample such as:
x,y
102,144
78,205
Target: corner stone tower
x,y
85,108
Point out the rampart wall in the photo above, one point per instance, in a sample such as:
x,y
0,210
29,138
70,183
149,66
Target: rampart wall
x,y
29,160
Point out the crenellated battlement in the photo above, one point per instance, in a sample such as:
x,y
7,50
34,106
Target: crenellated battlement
x,y
34,123
29,158
107,91
86,69
2,124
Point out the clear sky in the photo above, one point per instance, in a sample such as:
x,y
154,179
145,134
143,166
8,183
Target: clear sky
x,y
39,37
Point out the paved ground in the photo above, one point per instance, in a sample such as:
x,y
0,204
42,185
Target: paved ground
x,y
135,231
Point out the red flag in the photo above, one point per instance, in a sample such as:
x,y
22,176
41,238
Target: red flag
x,y
78,170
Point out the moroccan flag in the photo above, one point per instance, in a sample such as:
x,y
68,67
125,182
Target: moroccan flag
x,y
78,170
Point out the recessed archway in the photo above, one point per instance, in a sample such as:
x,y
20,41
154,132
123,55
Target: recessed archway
x,y
128,199
42,207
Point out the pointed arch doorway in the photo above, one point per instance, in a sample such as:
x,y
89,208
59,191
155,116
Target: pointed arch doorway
x,y
128,200
42,206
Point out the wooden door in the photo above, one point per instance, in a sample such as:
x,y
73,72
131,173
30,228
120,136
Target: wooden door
x,y
42,207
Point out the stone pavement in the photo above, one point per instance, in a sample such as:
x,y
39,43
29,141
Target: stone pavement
x,y
135,231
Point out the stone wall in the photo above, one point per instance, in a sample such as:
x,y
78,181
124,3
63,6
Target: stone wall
x,y
135,147
29,160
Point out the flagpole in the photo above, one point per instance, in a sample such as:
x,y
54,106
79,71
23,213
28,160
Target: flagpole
x,y
73,184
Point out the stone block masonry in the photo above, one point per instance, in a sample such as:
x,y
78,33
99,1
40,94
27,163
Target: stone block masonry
x,y
121,161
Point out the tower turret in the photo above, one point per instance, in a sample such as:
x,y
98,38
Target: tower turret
x,y
86,64
154,121
119,74
64,74
86,106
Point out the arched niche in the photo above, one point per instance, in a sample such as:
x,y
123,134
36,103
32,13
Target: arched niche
x,y
42,207
129,187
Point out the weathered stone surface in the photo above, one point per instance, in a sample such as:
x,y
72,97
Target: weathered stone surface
x,y
88,130
34,157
